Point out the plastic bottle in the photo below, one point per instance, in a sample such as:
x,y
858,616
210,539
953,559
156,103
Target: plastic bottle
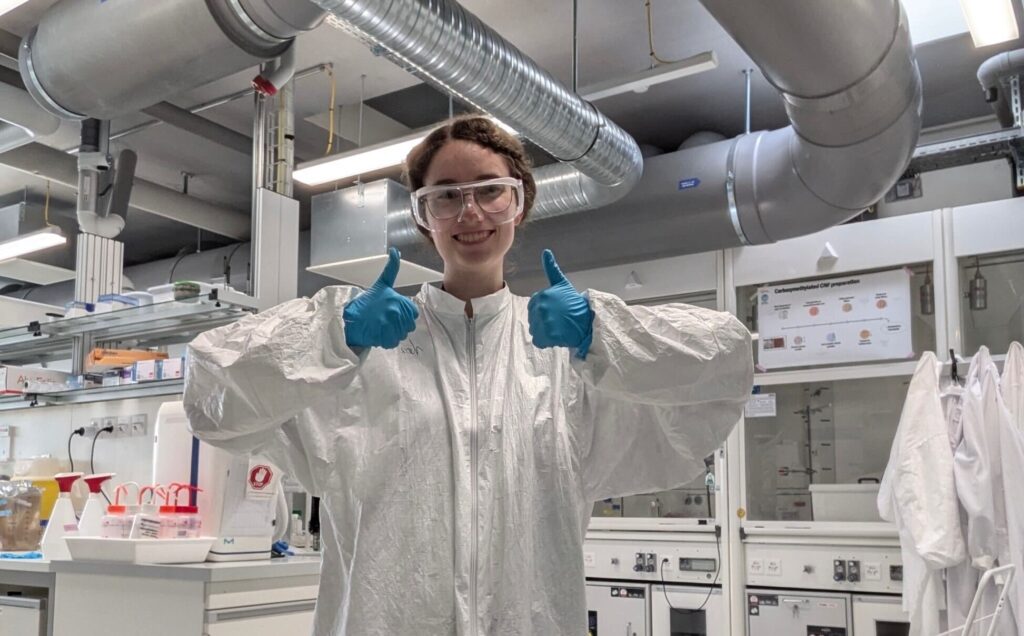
x,y
190,523
91,523
117,523
147,521
63,522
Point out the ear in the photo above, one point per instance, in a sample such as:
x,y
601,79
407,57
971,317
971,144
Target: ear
x,y
519,219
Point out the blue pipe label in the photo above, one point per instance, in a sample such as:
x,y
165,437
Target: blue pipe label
x,y
686,184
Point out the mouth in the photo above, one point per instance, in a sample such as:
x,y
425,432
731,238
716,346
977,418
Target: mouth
x,y
473,238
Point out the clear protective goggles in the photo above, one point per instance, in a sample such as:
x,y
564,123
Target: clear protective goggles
x,y
500,200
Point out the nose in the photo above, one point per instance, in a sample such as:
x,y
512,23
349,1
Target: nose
x,y
469,200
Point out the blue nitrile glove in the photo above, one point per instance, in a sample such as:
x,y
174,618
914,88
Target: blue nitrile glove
x,y
380,316
560,316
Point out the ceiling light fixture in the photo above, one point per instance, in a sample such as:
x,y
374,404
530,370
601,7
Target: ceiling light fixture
x,y
10,5
990,21
387,154
640,82
31,242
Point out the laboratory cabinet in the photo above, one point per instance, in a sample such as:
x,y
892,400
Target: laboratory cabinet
x,y
879,616
678,610
22,616
254,598
773,612
618,608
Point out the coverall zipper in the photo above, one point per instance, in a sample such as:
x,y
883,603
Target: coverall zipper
x,y
474,461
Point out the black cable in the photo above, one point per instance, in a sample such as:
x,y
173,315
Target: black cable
x,y
92,455
78,431
711,515
711,589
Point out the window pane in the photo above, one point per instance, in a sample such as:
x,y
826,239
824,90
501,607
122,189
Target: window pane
x,y
832,438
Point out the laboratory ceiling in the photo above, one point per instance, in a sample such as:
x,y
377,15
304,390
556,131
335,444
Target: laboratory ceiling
x,y
613,43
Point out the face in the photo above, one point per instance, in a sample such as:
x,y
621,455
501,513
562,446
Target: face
x,y
473,245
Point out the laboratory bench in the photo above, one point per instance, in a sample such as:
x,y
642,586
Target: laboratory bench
x,y
254,598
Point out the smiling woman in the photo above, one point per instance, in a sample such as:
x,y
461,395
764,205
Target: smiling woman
x,y
472,187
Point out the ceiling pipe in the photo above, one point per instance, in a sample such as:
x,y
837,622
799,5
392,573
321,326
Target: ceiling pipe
x,y
994,75
182,119
49,163
103,60
447,46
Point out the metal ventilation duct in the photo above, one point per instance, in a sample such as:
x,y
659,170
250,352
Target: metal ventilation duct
x,y
851,87
105,59
447,46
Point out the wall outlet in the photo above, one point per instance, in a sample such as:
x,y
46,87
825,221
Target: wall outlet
x,y
589,559
774,567
123,427
756,567
139,425
5,443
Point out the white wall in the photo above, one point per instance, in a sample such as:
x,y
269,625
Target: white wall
x,y
44,431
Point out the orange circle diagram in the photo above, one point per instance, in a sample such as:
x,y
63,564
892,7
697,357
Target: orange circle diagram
x,y
847,307
814,311
881,304
864,334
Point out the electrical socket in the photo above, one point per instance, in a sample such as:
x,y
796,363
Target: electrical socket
x,y
122,427
139,425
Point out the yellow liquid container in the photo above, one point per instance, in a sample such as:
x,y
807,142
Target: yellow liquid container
x,y
48,486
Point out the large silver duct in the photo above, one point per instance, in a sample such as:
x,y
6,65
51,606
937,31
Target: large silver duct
x,y
852,91
846,71
105,59
449,47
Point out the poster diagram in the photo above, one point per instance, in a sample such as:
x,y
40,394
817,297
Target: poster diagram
x,y
840,320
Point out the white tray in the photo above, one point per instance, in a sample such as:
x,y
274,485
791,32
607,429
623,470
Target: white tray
x,y
140,550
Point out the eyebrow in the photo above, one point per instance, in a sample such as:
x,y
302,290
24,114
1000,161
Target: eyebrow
x,y
479,177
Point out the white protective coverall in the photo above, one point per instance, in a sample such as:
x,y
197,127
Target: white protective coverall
x,y
1012,454
978,468
918,494
457,472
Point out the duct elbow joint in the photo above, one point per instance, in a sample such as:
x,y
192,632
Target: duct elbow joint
x,y
278,73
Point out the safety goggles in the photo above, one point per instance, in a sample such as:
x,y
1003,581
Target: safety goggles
x,y
501,200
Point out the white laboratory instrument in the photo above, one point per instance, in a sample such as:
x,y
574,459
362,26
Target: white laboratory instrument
x,y
63,522
879,616
772,612
237,495
682,610
618,608
91,523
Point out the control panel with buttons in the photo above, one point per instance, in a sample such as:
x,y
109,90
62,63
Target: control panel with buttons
x,y
679,559
819,566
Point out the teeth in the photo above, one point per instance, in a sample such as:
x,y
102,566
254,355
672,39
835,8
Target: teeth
x,y
472,237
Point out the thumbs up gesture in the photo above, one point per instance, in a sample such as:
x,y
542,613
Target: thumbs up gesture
x,y
560,316
380,316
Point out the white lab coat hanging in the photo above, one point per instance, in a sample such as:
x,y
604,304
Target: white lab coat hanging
x,y
918,494
1012,454
978,468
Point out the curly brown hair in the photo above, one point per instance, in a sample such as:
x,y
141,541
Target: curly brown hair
x,y
479,130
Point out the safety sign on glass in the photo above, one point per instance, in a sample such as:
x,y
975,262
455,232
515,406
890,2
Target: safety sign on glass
x,y
760,405
859,318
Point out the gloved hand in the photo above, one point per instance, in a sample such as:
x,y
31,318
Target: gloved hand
x,y
380,316
560,316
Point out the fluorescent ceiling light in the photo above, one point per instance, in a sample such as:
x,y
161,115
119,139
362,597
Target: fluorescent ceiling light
x,y
10,5
388,154
349,164
990,21
640,82
934,19
31,242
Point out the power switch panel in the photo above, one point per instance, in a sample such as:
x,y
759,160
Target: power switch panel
x,y
896,572
872,572
838,570
853,571
640,562
652,562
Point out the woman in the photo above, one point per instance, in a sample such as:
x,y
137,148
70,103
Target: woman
x,y
458,440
